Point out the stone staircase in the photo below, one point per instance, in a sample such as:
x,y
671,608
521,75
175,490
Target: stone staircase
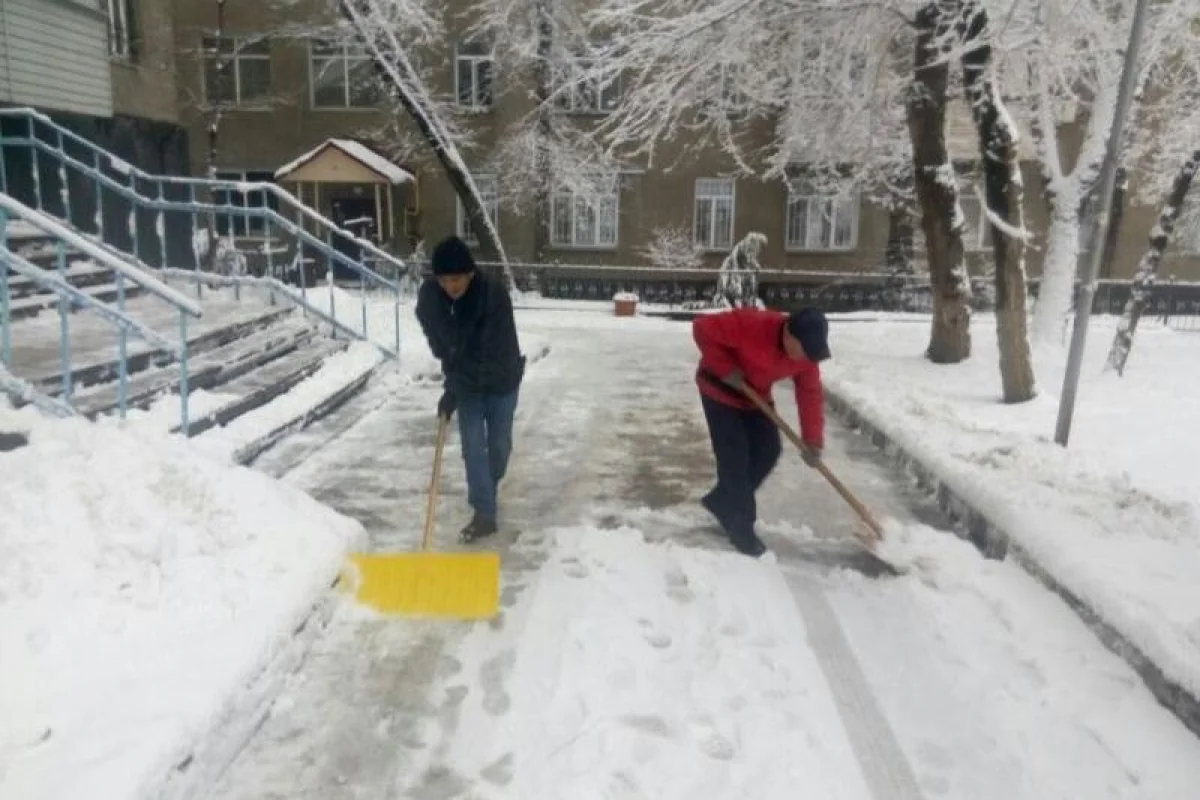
x,y
250,348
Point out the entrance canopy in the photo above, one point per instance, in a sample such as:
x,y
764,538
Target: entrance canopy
x,y
343,161
351,182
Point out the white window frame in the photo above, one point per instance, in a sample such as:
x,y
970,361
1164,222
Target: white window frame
x,y
121,33
709,194
473,61
235,66
573,74
829,202
565,200
489,191
243,228
348,57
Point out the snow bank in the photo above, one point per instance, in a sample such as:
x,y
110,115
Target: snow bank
x,y
1114,518
142,585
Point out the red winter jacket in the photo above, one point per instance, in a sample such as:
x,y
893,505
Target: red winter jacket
x,y
750,339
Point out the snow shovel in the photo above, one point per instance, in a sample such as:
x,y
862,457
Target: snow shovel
x,y
866,541
427,583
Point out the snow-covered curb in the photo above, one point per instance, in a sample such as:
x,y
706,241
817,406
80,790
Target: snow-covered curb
x,y
985,518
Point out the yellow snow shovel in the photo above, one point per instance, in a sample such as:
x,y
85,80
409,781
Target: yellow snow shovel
x,y
426,583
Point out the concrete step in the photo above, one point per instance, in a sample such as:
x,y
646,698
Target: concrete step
x,y
209,370
258,387
80,274
34,305
141,357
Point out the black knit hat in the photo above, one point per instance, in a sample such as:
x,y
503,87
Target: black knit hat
x,y
452,257
812,329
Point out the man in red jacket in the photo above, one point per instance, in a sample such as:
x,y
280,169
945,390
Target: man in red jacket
x,y
754,347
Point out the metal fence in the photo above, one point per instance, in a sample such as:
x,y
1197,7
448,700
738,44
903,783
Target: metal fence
x,y
1173,303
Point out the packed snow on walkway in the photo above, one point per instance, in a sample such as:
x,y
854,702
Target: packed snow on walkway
x,y
1115,517
143,586
655,670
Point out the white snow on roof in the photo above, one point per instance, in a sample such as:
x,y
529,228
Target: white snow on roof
x,y
360,153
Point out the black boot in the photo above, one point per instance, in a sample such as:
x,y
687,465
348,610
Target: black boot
x,y
479,527
747,543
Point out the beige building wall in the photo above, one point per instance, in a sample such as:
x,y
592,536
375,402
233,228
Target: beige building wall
x,y
144,82
262,136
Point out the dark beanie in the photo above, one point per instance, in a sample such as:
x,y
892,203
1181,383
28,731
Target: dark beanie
x,y
812,329
452,257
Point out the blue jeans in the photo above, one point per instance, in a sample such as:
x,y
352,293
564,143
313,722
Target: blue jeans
x,y
485,424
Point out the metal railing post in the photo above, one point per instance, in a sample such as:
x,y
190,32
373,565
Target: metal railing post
x,y
5,322
122,351
183,373
64,315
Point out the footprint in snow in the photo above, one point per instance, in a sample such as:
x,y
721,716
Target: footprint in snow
x,y
677,586
572,567
654,637
710,742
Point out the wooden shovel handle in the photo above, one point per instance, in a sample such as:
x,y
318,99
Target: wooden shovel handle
x,y
427,538
846,494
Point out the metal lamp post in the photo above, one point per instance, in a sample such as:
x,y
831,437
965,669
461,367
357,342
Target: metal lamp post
x,y
1108,177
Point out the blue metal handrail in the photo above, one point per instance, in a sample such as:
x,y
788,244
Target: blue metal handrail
x,y
279,287
196,208
70,297
285,197
24,391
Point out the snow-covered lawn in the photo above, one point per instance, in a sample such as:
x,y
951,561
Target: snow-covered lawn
x,y
1115,517
143,585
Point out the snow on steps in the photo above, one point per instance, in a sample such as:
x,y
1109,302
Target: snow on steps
x,y
994,542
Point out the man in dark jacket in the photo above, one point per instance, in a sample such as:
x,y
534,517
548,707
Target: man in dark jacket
x,y
468,320
754,347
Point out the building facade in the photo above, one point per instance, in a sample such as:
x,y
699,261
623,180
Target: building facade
x,y
286,90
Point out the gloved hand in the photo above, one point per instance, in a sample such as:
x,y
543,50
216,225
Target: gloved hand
x,y
447,405
811,454
735,379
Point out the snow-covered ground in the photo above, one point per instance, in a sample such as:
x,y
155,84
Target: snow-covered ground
x,y
1115,517
637,655
144,586
144,582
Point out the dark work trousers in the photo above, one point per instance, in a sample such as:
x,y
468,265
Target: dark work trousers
x,y
746,445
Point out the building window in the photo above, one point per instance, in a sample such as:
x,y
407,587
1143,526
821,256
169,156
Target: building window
x,y
473,76
342,75
491,205
229,220
713,224
237,70
580,219
581,90
820,221
977,235
122,29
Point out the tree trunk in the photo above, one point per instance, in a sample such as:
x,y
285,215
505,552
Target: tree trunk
x,y
490,248
1056,290
542,90
1004,194
1143,280
214,130
937,192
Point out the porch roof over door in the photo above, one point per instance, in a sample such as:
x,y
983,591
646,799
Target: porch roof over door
x,y
343,161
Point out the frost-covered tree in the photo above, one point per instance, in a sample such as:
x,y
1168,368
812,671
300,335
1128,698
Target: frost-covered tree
x,y
845,97
547,152
402,37
673,248
737,281
1147,271
1072,55
1003,203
